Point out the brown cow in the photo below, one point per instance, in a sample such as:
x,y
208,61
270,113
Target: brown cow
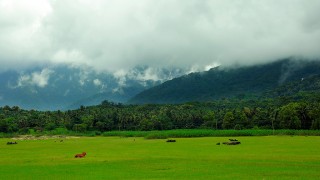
x,y
80,155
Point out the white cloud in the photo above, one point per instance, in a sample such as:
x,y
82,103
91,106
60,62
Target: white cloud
x,y
83,77
149,74
210,66
120,34
97,82
39,79
69,57
121,76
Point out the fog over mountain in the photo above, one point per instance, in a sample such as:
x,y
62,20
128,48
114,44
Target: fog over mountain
x,y
117,35
63,87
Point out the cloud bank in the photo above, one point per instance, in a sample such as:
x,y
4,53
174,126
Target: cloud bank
x,y
115,35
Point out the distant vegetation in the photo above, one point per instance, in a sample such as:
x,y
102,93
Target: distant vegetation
x,y
298,112
255,100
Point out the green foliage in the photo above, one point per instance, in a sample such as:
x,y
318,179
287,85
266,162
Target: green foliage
x,y
314,114
58,131
209,133
80,127
288,117
50,126
224,114
210,120
228,121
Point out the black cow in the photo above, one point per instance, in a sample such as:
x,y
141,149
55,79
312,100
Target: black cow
x,y
232,143
171,140
9,143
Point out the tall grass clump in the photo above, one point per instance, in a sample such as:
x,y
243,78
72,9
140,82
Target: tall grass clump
x,y
7,135
185,133
126,133
59,131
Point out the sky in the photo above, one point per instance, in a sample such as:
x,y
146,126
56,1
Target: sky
x,y
117,35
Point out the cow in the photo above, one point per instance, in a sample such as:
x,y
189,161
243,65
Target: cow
x,y
80,155
171,140
232,143
8,143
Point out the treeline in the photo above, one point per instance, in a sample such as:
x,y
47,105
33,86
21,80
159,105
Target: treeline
x,y
299,112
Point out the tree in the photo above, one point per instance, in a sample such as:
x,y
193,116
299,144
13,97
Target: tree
x,y
3,125
241,119
87,120
288,116
145,125
314,114
315,124
261,118
50,126
80,127
210,121
228,121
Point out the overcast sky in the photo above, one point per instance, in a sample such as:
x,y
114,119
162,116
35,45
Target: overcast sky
x,y
120,34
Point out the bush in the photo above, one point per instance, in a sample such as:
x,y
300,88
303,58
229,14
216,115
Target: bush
x,y
59,131
31,131
156,136
50,126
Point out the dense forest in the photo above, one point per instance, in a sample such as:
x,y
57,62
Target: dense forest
x,y
301,111
222,82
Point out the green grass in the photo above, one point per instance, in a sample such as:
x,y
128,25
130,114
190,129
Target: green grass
x,y
258,157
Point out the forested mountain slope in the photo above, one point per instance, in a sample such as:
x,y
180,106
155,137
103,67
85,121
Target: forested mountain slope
x,y
222,82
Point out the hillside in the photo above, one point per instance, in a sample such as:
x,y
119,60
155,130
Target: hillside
x,y
309,84
222,82
64,87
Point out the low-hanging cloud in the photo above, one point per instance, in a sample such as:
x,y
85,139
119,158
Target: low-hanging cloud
x,y
39,79
117,35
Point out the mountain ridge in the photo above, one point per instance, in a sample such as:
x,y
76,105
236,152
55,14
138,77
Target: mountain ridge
x,y
64,87
222,82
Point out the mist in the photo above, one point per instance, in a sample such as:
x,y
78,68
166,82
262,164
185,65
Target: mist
x,y
117,35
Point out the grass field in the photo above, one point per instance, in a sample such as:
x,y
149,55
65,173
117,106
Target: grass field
x,y
263,157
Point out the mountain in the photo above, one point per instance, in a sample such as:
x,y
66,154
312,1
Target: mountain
x,y
65,87
309,84
222,82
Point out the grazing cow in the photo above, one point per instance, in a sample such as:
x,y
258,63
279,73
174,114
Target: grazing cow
x,y
80,155
171,140
8,143
233,140
232,143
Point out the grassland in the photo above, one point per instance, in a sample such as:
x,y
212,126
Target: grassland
x,y
258,157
